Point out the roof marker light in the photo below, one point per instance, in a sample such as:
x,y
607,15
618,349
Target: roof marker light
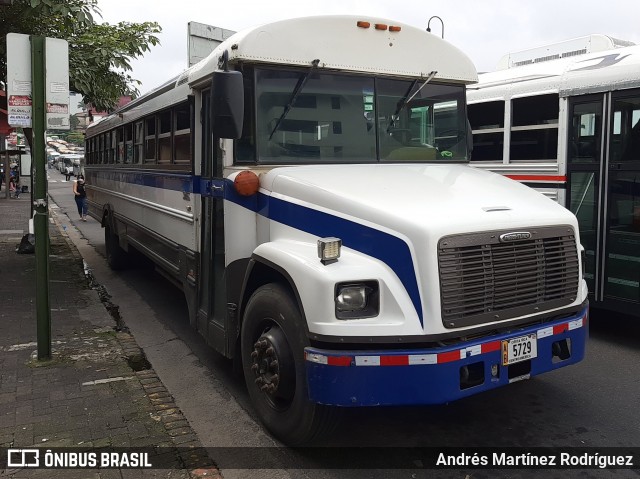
x,y
394,28
362,24
381,26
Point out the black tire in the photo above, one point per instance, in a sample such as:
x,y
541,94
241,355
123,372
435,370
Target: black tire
x,y
116,256
279,391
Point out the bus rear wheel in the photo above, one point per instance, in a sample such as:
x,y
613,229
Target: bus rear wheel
x,y
272,347
116,256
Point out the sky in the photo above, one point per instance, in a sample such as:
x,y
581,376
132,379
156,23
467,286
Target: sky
x,y
484,29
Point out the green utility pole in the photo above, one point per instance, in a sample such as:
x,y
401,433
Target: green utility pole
x,y
41,216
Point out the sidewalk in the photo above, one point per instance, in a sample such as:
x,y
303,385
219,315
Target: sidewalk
x,y
98,390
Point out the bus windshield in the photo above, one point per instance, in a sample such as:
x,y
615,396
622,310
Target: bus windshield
x,y
337,118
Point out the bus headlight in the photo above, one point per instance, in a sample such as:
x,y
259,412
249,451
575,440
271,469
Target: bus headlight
x,y
357,300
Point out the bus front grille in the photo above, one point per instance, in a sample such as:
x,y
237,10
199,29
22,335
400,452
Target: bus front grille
x,y
495,276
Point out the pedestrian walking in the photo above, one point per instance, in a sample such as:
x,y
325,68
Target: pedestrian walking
x,y
80,196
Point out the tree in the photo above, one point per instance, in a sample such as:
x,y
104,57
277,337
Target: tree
x,y
99,53
73,122
76,138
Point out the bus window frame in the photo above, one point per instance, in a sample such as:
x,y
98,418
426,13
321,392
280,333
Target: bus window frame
x,y
251,155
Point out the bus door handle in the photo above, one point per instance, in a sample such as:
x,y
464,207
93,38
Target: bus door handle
x,y
215,189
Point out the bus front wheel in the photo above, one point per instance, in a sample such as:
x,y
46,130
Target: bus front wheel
x,y
272,347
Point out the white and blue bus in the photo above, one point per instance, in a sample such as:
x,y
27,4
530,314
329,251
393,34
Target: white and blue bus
x,y
565,120
307,187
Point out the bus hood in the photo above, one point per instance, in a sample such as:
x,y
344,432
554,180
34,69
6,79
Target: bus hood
x,y
397,214
407,200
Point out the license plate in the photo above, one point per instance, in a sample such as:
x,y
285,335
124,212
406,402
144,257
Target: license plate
x,y
519,349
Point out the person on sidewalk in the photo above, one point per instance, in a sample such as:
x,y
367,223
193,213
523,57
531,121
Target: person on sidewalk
x,y
80,197
12,185
18,187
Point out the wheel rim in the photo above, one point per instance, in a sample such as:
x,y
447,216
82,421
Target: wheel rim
x,y
273,367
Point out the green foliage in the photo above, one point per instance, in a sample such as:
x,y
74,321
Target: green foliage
x,y
76,137
73,122
99,54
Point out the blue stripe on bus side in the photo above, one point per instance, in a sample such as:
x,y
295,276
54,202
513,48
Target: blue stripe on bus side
x,y
389,249
168,181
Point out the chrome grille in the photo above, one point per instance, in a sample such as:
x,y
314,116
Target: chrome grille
x,y
483,279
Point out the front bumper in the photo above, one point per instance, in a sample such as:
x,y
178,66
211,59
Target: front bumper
x,y
439,375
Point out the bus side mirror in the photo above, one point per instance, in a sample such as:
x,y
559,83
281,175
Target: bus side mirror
x,y
227,104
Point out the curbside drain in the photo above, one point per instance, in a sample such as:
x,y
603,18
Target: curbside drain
x,y
138,362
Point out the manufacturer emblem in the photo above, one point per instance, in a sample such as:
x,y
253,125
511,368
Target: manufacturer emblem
x,y
515,236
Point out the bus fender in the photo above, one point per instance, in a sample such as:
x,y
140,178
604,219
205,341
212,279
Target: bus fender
x,y
313,284
260,271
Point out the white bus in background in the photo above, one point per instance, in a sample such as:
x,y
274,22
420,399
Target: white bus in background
x,y
565,120
78,165
69,163
307,187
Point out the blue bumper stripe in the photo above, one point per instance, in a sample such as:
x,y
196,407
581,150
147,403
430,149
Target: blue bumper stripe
x,y
432,376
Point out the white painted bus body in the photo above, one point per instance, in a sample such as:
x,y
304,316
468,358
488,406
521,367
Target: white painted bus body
x,y
400,218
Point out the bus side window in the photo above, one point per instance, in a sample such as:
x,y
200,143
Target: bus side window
x,y
138,140
487,124
631,149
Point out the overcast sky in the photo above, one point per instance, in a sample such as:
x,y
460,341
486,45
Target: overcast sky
x,y
484,29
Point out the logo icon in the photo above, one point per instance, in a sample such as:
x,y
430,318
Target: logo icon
x,y
515,236
23,458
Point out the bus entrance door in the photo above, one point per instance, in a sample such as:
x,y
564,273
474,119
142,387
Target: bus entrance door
x,y
621,280
212,310
603,167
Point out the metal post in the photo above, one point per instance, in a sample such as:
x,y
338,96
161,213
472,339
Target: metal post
x,y
41,216
6,166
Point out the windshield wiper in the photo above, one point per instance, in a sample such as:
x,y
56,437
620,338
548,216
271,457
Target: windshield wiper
x,y
406,99
298,88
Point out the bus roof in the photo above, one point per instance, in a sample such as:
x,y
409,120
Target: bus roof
x,y
614,69
410,52
568,48
337,41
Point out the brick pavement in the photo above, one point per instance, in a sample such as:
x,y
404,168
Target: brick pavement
x,y
97,390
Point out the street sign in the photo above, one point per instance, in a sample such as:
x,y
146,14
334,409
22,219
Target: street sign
x,y
38,88
57,84
19,101
19,108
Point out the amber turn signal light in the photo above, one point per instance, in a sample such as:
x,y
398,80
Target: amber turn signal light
x,y
246,183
